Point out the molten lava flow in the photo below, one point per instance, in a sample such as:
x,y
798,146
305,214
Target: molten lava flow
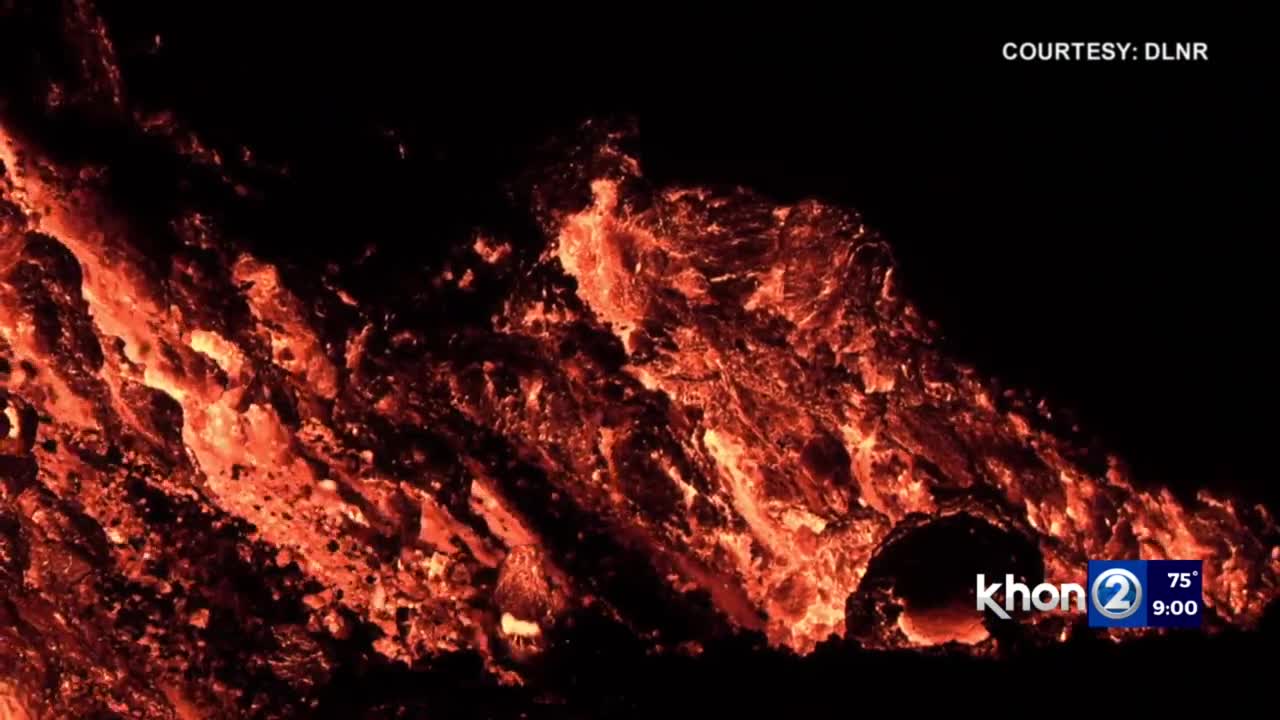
x,y
215,479
818,416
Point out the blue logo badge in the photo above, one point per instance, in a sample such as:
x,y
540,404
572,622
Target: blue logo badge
x,y
1116,593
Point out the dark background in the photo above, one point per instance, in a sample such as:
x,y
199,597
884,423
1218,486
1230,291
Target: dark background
x,y
1095,232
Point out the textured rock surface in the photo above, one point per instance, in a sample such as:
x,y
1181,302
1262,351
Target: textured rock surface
x,y
231,487
694,413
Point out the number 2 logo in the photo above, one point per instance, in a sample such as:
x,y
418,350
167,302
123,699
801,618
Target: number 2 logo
x,y
1118,605
1118,601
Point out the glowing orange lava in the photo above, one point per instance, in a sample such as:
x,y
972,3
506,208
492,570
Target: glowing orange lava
x,y
731,390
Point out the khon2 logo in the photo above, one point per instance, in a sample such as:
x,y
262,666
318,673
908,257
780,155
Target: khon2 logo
x,y
1121,593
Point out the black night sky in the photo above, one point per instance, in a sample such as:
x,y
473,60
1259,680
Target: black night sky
x,y
1097,232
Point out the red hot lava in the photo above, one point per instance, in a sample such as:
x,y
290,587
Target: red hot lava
x,y
216,479
730,389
